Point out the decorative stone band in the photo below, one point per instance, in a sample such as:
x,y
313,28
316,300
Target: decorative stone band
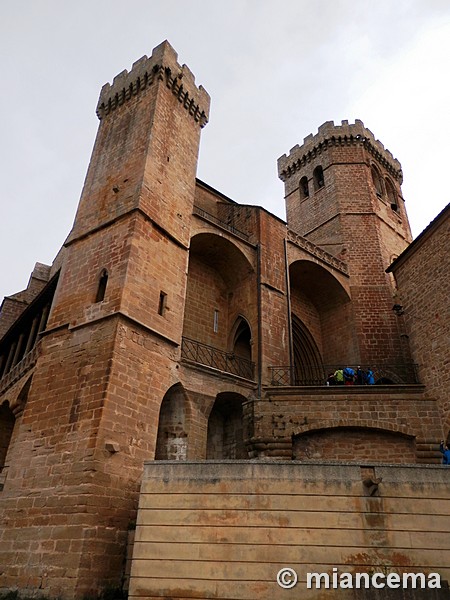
x,y
337,135
324,256
109,102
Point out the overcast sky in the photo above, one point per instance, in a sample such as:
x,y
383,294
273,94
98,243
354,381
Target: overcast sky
x,y
275,71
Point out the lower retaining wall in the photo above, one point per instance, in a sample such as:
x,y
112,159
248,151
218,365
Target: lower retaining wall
x,y
224,529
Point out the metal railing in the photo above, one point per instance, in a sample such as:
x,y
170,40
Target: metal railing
x,y
318,376
217,359
206,215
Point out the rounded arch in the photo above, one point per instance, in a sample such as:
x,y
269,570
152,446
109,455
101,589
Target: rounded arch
x,y
222,255
172,436
304,188
318,177
322,304
225,437
220,285
349,441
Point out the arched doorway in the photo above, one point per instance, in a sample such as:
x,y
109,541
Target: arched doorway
x,y
172,438
225,438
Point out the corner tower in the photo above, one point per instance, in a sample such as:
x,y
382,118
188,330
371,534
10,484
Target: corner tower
x,y
112,341
343,193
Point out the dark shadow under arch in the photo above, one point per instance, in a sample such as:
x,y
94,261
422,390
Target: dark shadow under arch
x,y
225,438
308,368
355,444
172,437
241,339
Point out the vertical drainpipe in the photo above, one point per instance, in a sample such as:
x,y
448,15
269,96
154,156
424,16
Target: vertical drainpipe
x,y
289,315
259,300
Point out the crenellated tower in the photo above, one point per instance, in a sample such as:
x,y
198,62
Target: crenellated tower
x,y
342,192
113,337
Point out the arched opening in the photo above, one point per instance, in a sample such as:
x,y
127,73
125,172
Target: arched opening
x,y
391,194
102,283
324,331
319,180
308,369
377,181
225,438
354,444
304,188
220,285
242,336
172,438
7,422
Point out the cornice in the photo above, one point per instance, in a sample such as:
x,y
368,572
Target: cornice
x,y
318,252
331,135
161,66
110,102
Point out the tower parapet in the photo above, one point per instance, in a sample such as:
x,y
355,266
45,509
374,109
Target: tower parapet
x,y
163,66
329,135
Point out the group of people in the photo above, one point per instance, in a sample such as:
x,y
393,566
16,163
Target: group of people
x,y
350,376
445,451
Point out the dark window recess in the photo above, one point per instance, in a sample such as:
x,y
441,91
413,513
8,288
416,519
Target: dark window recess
x,y
304,188
392,195
162,303
101,290
318,177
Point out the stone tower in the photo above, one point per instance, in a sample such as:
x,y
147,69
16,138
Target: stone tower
x,y
93,404
342,191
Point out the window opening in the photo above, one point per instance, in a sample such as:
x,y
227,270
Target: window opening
x,y
304,188
101,290
319,180
216,320
162,303
376,178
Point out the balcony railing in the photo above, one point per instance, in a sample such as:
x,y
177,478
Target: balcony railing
x,y
217,359
209,217
318,376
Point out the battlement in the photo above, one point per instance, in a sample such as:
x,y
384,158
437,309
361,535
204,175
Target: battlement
x,y
330,135
162,65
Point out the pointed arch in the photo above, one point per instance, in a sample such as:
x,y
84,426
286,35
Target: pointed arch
x,y
308,367
241,338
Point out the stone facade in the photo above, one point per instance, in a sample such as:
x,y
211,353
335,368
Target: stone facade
x,y
176,324
224,530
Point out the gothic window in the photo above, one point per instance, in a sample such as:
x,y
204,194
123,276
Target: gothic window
x,y
392,196
318,177
304,188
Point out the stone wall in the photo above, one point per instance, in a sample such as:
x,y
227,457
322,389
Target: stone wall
x,y
225,529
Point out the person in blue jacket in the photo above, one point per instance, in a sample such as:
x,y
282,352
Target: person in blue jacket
x,y
445,453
